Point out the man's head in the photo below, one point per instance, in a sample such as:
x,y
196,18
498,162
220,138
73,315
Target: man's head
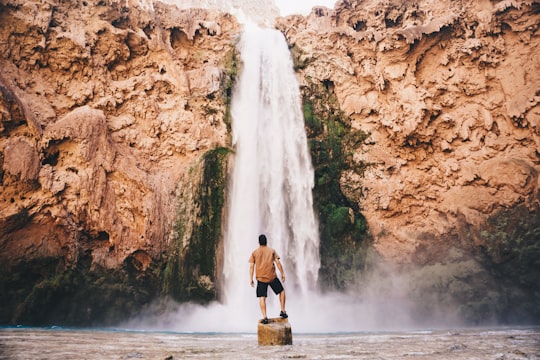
x,y
262,239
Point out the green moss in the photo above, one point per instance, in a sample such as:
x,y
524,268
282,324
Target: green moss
x,y
312,122
41,292
300,61
511,242
511,252
343,229
231,64
191,270
338,221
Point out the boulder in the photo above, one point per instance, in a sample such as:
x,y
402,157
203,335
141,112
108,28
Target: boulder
x,y
276,332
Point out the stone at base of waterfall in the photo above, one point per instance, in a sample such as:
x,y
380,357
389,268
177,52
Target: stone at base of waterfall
x,y
276,332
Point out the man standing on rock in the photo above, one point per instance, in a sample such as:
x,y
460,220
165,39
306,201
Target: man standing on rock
x,y
262,261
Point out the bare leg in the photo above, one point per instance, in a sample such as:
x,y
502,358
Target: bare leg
x,y
262,304
282,300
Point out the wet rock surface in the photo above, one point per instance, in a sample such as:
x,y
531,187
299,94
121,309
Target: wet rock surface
x,y
277,332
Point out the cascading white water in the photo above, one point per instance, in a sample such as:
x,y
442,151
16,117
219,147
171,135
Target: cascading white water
x,y
271,186
271,192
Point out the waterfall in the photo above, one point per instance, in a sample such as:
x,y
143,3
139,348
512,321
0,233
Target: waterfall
x,y
270,192
271,187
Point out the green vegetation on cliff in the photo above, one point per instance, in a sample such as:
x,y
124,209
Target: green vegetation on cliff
x,y
41,292
343,229
231,64
511,253
190,272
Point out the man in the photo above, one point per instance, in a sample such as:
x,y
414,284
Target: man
x,y
262,261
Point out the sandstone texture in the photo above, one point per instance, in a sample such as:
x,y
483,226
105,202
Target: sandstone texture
x,y
104,108
100,119
448,93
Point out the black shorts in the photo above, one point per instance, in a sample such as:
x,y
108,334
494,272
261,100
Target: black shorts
x,y
262,287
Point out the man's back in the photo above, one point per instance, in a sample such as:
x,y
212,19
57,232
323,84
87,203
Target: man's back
x,y
263,257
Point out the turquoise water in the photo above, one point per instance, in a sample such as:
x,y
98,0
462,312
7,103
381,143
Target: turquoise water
x,y
60,343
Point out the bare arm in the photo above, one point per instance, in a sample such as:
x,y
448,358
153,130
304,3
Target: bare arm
x,y
280,268
251,270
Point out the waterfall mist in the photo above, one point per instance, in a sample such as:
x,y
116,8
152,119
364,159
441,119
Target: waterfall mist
x,y
270,192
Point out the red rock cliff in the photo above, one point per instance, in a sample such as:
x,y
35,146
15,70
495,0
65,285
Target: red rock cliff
x,y
107,111
449,94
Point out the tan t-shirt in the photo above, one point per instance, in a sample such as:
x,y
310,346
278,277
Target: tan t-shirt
x,y
263,257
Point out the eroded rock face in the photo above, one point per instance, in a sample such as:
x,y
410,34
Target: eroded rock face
x,y
107,109
449,93
104,107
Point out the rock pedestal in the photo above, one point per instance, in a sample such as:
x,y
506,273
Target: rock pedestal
x,y
276,332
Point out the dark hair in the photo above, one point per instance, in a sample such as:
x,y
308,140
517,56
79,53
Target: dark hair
x,y
262,239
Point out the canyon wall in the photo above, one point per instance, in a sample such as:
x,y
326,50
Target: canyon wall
x,y
107,111
448,95
423,121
